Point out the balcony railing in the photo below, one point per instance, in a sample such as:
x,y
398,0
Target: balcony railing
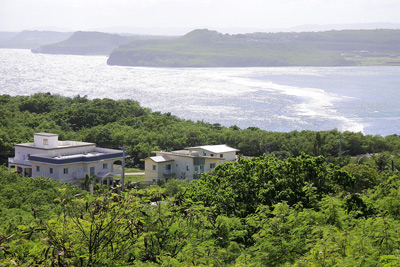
x,y
21,162
169,173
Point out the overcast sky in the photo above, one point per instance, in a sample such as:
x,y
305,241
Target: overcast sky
x,y
17,15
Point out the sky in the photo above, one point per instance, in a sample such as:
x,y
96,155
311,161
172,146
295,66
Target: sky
x,y
73,15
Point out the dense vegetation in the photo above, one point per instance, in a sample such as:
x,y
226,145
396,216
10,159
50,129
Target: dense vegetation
x,y
300,202
264,211
204,48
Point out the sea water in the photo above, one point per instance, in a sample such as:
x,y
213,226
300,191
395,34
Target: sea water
x,y
358,99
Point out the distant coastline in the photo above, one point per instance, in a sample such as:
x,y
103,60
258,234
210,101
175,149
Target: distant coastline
x,y
205,48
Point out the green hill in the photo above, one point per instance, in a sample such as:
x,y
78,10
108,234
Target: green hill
x,y
85,43
204,48
90,43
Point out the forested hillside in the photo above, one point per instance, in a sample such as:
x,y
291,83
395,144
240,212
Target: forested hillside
x,y
301,201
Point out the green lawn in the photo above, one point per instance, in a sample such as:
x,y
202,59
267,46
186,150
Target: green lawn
x,y
131,178
130,170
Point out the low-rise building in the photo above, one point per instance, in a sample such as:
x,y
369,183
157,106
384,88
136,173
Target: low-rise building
x,y
66,161
187,164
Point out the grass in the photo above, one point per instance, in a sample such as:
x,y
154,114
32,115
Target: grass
x,y
131,170
131,178
381,60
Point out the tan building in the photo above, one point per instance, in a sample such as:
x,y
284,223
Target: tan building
x,y
66,161
187,164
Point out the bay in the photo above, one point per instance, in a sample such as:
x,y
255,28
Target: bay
x,y
358,99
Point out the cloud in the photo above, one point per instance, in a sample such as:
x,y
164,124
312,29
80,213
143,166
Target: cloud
x,y
86,14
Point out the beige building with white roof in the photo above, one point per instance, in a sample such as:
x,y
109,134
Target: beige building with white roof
x,y
187,164
66,161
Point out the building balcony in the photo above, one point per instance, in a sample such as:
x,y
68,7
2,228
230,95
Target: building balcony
x,y
14,161
169,173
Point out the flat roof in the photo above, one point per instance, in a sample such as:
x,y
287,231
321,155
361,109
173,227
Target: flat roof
x,y
91,156
215,148
186,153
159,159
45,134
61,144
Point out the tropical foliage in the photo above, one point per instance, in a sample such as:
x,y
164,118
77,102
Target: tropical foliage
x,y
301,211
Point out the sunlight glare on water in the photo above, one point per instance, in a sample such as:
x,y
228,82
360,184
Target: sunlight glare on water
x,y
360,99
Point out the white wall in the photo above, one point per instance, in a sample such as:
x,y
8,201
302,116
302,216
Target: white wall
x,y
45,141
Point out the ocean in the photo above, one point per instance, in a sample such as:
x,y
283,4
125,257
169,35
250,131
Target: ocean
x,y
283,99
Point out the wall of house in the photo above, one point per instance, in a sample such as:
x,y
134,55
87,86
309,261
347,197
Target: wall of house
x,y
22,152
183,167
228,156
210,161
150,175
45,141
76,171
45,171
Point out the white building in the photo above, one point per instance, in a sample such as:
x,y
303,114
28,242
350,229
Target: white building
x,y
66,161
187,164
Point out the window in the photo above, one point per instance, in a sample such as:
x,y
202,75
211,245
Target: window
x,y
187,168
65,170
168,167
105,166
45,142
221,155
212,155
154,167
212,165
51,171
38,168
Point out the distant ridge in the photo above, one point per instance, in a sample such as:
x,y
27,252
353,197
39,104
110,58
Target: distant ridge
x,y
179,31
84,43
89,43
31,39
205,48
